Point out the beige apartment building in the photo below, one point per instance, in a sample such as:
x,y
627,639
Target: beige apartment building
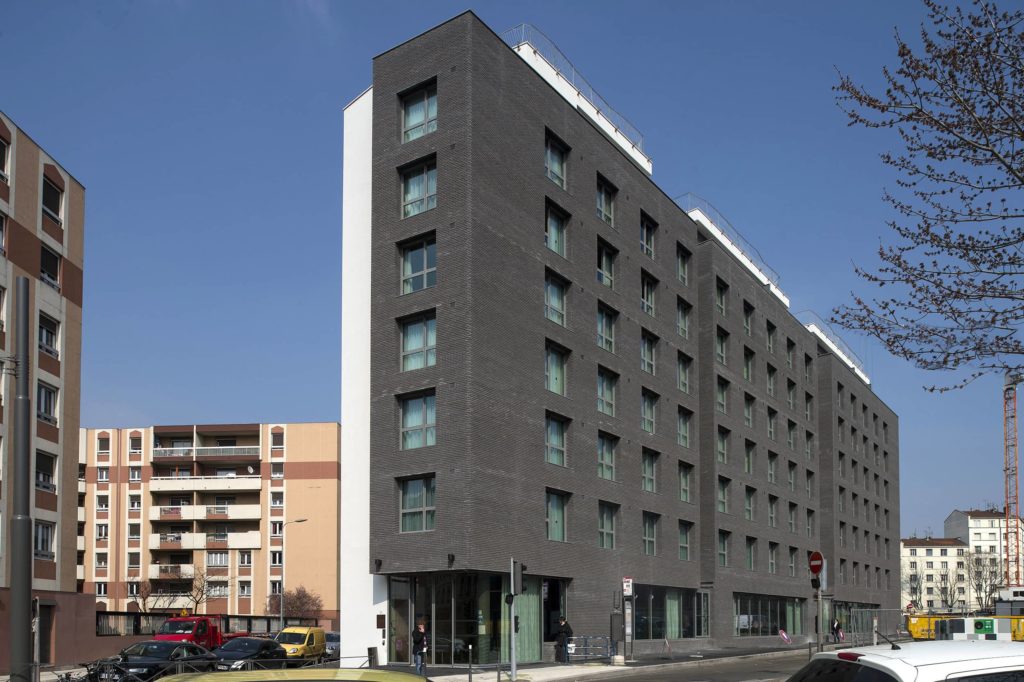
x,y
215,518
42,230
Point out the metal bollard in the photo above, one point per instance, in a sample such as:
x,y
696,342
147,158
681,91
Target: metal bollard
x,y
810,650
470,663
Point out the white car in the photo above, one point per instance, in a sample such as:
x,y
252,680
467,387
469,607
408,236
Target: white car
x,y
970,661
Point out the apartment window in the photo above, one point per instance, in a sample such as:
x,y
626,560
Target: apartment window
x,y
134,531
748,457
419,189
419,113
684,365
606,446
723,495
101,589
808,406
606,264
555,231
748,317
102,503
722,446
649,471
277,470
650,534
790,350
808,368
723,548
791,476
245,557
606,318
722,395
773,463
102,531
810,525
555,289
685,481
770,336
418,422
606,201
791,518
772,419
790,394
101,560
134,502
748,410
648,410
48,329
647,229
276,558
606,385
53,198
722,346
219,589
606,513
554,446
810,484
748,364
683,318
773,548
133,589
648,348
792,562
275,587
419,342
102,474
419,265
682,264
808,444
3,160
791,435
46,403
135,445
49,267
685,527
721,297
276,499
555,157
771,375
773,511
417,504
45,471
277,527
685,417
555,361
555,516
749,503
648,287
751,553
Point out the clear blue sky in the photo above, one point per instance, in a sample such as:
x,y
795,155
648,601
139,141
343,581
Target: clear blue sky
x,y
208,135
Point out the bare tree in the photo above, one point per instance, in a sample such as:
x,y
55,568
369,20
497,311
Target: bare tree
x,y
148,599
298,603
984,577
945,589
205,587
913,587
954,295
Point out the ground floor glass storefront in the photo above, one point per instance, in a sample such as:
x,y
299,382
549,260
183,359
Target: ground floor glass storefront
x,y
758,615
466,612
670,612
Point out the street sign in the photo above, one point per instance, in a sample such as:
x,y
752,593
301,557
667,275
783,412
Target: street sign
x,y
815,562
627,587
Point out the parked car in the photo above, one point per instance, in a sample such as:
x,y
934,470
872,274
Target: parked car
x,y
302,675
303,643
946,661
149,660
333,644
248,653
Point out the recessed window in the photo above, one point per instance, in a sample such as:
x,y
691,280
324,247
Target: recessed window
x,y
649,471
721,297
648,410
419,189
555,431
722,446
555,160
135,445
103,503
46,403
770,379
102,560
685,528
683,424
48,330
722,346
417,508
772,419
684,365
773,511
748,317
606,318
419,265
277,527
647,230
749,454
53,197
685,482
277,470
648,350
770,336
555,231
751,553
419,113
650,536
723,495
43,540
277,441
683,318
749,503
133,589
418,422
648,288
134,473
607,382
3,160
245,557
723,548
555,290
102,531
773,466
606,201
722,395
748,410
555,361
101,589
103,445
134,502
606,264
102,474
277,500
220,559
606,446
606,513
748,364
682,264
49,267
419,341
555,515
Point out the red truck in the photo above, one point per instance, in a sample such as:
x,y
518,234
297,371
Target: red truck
x,y
201,630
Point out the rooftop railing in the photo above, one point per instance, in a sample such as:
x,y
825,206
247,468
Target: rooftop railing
x,y
545,47
813,322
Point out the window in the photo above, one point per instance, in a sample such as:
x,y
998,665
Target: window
x,y
101,560
648,410
770,336
773,463
133,589
276,557
650,534
773,511
685,481
771,375
751,553
808,406
748,410
791,476
810,485
102,503
244,588
277,441
555,289
791,434
606,201
749,503
792,562
275,587
748,364
772,418
53,197
790,394
102,531
791,518
3,160
555,518
46,403
419,189
748,457
682,264
606,384
685,417
683,318
419,113
554,450
722,446
649,471
48,328
722,395
606,446
277,470
555,156
46,471
606,264
134,531
808,368
276,499
606,513
220,559
810,525
49,268
245,557
277,527
101,589
648,347
135,445
102,474
723,548
790,350
134,502
554,231
606,318
648,287
684,365
723,495
773,548
555,360
684,540
417,504
722,346
418,422
748,317
721,297
419,265
419,342
809,445
647,229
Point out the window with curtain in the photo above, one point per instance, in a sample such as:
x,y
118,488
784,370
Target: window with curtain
x,y
554,369
417,504
419,341
555,517
418,422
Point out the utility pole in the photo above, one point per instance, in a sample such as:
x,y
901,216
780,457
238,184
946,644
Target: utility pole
x,y
21,520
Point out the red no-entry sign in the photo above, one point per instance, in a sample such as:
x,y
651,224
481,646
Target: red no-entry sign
x,y
815,562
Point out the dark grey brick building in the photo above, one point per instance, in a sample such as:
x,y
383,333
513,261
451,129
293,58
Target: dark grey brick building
x,y
563,365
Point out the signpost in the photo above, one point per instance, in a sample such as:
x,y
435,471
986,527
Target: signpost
x,y
627,614
815,563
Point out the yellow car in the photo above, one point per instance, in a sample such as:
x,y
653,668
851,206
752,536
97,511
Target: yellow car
x,y
300,675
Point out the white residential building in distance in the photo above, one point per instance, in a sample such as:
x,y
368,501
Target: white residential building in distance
x,y
984,531
935,575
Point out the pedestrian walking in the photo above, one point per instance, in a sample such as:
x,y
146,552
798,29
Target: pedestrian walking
x,y
835,630
562,636
420,644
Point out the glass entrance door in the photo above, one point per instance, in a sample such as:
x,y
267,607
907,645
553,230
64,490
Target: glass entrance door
x,y
400,630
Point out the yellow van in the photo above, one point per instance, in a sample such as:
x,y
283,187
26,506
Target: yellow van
x,y
308,643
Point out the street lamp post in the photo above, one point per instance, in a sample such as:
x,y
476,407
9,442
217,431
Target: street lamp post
x,y
280,600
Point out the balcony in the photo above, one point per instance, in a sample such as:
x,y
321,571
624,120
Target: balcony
x,y
177,540
81,514
186,513
170,601
80,543
239,451
170,453
234,512
204,483
80,572
171,571
247,540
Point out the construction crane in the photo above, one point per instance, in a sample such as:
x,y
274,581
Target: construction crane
x,y
1013,530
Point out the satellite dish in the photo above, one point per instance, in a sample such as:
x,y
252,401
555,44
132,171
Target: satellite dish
x,y
251,470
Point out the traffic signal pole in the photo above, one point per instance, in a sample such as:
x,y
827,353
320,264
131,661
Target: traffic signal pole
x,y
512,620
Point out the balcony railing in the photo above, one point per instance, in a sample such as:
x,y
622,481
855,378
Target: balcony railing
x,y
186,483
233,451
172,452
216,537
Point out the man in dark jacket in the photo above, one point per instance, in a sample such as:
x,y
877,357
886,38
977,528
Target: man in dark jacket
x,y
420,644
562,636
